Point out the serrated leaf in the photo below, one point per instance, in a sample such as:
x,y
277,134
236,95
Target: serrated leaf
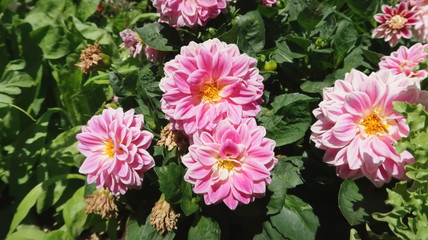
x,y
160,36
285,175
248,32
205,228
296,220
348,199
289,119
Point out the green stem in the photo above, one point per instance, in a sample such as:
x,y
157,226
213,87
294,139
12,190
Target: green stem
x,y
23,111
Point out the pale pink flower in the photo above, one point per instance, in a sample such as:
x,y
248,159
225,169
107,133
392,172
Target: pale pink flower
x,y
189,13
208,82
115,149
405,60
420,28
232,163
154,55
357,125
132,41
268,2
395,23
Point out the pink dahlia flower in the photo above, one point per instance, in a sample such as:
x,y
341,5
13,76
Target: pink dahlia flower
x,y
231,163
405,60
132,41
421,28
115,149
208,82
268,2
357,125
395,23
189,13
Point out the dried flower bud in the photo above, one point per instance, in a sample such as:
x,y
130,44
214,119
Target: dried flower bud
x,y
102,203
173,138
92,59
163,216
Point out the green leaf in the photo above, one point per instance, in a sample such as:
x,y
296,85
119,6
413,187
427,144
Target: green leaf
x,y
344,40
312,15
92,32
170,178
348,199
133,230
86,8
31,198
289,119
283,53
248,32
64,147
52,41
58,234
12,80
205,228
285,175
364,8
123,85
74,213
27,234
296,220
160,36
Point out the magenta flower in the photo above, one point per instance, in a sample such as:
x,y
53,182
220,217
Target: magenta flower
x,y
405,60
357,125
189,13
208,82
132,41
115,149
268,2
231,163
395,23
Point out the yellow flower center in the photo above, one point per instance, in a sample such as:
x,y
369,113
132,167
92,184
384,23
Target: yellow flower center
x,y
210,92
109,149
373,124
229,164
396,22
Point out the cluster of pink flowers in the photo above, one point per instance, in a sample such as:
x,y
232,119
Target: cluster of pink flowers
x,y
212,93
133,41
358,127
406,60
115,149
189,13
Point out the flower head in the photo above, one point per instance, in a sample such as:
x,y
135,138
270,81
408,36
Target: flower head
x,y
395,23
189,13
132,41
173,138
420,28
101,202
163,216
207,82
92,59
231,163
268,2
115,149
357,125
405,60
